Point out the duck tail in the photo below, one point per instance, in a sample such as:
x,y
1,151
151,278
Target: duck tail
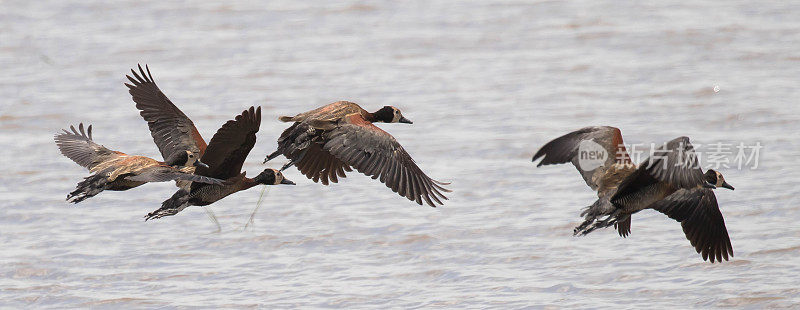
x,y
171,206
286,119
90,186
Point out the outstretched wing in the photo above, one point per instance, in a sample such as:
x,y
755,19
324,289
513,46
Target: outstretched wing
x,y
674,163
172,130
376,153
301,144
80,148
229,147
319,165
584,148
702,222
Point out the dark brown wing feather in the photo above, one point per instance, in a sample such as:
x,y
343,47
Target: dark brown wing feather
x,y
319,165
623,227
674,163
303,145
172,130
80,148
375,153
702,222
565,149
230,146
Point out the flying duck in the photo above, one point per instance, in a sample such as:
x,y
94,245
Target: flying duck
x,y
670,181
326,142
117,171
173,132
225,154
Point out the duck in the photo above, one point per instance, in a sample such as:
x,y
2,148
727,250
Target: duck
x,y
173,132
117,171
331,140
670,181
225,156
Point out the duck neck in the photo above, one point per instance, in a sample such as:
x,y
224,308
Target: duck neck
x,y
382,115
370,117
247,183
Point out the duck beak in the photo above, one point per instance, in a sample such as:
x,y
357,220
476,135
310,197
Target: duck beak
x,y
404,120
726,185
199,163
709,185
287,182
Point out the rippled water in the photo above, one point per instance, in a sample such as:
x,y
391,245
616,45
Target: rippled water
x,y
486,84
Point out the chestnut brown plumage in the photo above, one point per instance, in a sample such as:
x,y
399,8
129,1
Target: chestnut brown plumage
x,y
117,171
670,181
326,142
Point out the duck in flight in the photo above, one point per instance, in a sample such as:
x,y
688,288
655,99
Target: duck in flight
x,y
225,154
172,131
670,181
326,142
117,171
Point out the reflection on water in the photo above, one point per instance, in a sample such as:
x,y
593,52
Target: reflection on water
x,y
485,83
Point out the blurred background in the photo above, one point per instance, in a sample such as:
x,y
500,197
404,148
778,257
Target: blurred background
x,y
486,84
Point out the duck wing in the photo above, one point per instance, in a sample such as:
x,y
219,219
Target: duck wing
x,y
698,212
674,163
584,148
172,130
78,146
375,153
230,146
302,144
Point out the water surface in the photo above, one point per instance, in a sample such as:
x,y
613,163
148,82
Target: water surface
x,y
485,83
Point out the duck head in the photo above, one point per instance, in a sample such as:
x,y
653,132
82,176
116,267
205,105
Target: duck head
x,y
715,179
390,114
272,177
185,158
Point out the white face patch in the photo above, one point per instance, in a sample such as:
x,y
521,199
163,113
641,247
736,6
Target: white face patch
x,y
397,116
278,177
720,179
190,158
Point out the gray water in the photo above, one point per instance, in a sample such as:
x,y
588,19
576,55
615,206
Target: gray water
x,y
486,84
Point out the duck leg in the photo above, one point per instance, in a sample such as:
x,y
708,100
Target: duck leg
x,y
610,220
287,165
581,227
589,218
272,156
171,206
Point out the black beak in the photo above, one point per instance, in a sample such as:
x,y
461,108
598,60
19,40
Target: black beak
x,y
728,186
199,163
709,185
287,182
403,119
